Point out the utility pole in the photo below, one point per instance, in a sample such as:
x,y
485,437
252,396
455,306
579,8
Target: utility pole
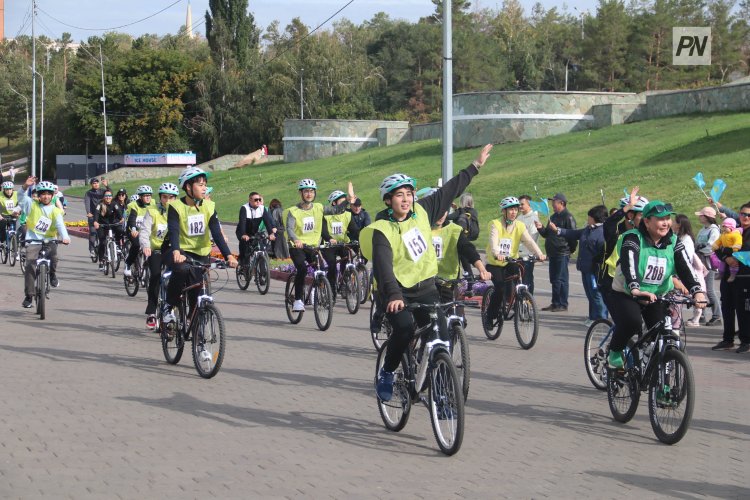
x,y
447,170
33,88
301,95
104,112
41,141
87,160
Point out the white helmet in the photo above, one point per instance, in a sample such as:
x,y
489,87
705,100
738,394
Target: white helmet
x,y
7,185
190,173
335,196
169,188
395,181
134,197
307,184
638,207
45,186
144,190
508,202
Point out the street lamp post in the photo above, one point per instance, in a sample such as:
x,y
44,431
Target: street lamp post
x,y
41,140
580,14
301,94
26,100
104,112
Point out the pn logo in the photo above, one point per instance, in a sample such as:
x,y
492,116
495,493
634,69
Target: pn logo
x,y
691,46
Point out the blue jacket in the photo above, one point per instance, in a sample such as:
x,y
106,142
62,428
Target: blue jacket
x,y
591,247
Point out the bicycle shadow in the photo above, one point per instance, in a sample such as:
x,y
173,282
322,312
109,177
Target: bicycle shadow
x,y
662,486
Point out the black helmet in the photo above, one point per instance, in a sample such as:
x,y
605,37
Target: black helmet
x,y
122,191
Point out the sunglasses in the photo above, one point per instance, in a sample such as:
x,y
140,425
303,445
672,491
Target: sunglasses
x,y
744,214
660,209
257,199
108,196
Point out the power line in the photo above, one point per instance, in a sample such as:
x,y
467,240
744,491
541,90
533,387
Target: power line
x,y
113,27
25,23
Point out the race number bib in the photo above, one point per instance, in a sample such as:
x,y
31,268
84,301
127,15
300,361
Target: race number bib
x,y
337,228
415,244
9,205
161,231
656,269
308,224
196,225
138,222
42,225
437,242
505,245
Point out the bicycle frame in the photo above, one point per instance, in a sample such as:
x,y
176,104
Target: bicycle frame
x,y
419,363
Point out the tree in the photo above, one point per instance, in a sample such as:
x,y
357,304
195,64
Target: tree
x,y
231,32
606,45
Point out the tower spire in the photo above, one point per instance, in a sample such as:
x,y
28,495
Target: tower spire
x,y
189,21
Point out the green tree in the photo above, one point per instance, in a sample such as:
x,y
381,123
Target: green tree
x,y
231,32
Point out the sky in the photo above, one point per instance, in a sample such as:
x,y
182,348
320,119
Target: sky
x,y
54,15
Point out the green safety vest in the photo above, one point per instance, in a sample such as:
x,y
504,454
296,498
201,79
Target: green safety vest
x,y
195,236
158,227
655,266
42,222
140,212
8,204
414,259
507,240
337,225
445,242
308,223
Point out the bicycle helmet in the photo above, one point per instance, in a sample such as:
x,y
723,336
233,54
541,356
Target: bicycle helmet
x,y
638,207
335,196
169,188
190,173
395,181
307,184
144,190
134,197
45,186
508,202
7,185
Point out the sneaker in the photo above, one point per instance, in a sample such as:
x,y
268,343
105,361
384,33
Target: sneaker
x,y
53,281
549,307
663,396
713,321
206,359
101,266
298,306
385,385
151,322
92,253
693,324
723,345
744,347
558,309
127,272
615,361
27,301
588,323
168,316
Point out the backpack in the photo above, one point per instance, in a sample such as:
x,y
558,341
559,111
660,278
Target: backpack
x,y
470,224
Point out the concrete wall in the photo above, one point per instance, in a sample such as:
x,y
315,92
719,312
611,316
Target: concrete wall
x,y
708,100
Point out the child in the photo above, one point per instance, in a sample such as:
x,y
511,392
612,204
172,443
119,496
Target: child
x,y
731,237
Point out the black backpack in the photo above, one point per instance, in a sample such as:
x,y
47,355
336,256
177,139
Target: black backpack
x,y
470,224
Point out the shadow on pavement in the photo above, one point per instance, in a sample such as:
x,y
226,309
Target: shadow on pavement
x,y
678,488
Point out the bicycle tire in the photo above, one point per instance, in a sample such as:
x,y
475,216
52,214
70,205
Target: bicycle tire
x,y
145,275
294,316
132,282
209,341
117,256
595,352
172,341
460,356
95,257
262,274
445,403
663,407
395,413
351,290
623,388
380,337
494,331
22,261
124,251
525,319
41,291
13,249
4,251
242,273
364,283
323,303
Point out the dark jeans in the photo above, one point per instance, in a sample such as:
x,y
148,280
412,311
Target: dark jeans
x,y
184,274
735,301
32,252
627,314
559,279
330,254
154,267
92,236
502,286
528,276
597,309
300,257
135,246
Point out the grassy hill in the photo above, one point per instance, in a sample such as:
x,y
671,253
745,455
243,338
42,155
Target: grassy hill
x,y
661,156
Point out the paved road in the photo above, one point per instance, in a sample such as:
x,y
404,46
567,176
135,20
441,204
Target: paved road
x,y
90,409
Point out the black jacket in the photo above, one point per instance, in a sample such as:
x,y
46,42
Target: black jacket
x,y
559,245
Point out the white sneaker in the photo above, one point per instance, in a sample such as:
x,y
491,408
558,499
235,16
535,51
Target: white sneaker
x,y
127,272
588,323
298,306
168,316
206,359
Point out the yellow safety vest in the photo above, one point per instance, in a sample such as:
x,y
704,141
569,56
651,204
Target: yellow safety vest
x,y
337,225
308,224
445,242
508,241
158,227
195,236
41,222
8,204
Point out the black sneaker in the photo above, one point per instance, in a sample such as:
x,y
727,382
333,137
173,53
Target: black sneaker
x,y
53,281
723,345
27,302
713,321
744,347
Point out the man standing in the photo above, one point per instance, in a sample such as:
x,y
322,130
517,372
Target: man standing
x,y
91,199
359,215
558,251
529,218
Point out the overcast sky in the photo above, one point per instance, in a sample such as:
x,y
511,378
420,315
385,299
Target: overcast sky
x,y
102,14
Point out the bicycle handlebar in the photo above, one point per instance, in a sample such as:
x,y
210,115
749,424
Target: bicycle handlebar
x,y
435,306
43,242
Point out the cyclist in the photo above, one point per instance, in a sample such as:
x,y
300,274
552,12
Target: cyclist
x,y
136,212
191,223
43,221
649,256
121,199
90,201
343,229
253,218
107,212
8,204
506,234
152,235
304,226
404,262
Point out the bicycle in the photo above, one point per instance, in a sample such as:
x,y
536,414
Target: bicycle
x,y
258,266
201,323
456,320
596,343
94,256
112,252
518,305
426,366
41,276
656,363
139,275
318,293
363,274
9,247
348,284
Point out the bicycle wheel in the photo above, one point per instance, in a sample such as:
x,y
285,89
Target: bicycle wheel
x,y
4,253
323,303
460,356
41,291
525,319
13,250
117,256
262,274
446,404
120,255
145,275
294,317
671,397
95,255
351,290
208,341
379,337
22,261
243,276
493,330
172,342
595,352
133,282
623,388
395,413
364,283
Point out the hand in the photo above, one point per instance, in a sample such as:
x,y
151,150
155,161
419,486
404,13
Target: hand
x,y
147,252
552,226
332,241
681,288
700,300
30,181
133,233
538,224
350,192
542,258
232,260
731,262
395,306
645,296
66,241
499,257
298,244
178,257
484,154
96,225
245,237
272,236
89,215
485,275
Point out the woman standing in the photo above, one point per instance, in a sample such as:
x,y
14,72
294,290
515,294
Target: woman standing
x,y
684,232
708,234
280,246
